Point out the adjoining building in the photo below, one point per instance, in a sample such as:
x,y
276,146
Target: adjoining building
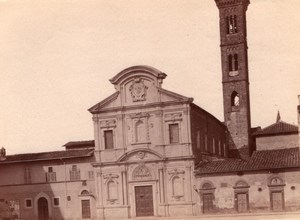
x,y
156,153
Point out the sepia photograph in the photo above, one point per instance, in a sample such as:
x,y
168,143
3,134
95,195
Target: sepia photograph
x,y
149,109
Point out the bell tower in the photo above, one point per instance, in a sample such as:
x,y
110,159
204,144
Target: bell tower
x,y
234,57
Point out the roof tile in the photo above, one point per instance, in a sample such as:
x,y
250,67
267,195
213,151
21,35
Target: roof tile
x,y
47,155
279,127
260,160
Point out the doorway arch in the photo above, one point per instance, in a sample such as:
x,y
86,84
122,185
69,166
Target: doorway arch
x,y
43,209
36,205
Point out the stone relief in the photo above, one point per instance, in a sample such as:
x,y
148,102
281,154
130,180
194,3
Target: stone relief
x,y
173,116
108,123
141,173
138,90
110,177
141,155
276,181
175,172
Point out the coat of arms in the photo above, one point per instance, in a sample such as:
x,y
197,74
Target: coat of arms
x,y
138,90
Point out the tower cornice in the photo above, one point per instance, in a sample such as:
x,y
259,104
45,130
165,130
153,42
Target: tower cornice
x,y
226,3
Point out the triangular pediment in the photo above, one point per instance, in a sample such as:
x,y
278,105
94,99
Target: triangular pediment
x,y
110,102
167,96
140,155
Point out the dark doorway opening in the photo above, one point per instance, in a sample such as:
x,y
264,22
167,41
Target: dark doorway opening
x,y
43,210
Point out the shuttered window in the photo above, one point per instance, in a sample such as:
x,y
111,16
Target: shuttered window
x,y
27,175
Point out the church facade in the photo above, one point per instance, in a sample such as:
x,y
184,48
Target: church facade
x,y
156,153
147,140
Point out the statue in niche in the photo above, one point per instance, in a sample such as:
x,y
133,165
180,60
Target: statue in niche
x,y
138,90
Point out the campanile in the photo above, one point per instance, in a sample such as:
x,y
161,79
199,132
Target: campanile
x,y
234,58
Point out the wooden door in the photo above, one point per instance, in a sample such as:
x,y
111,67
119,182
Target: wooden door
x,y
242,202
85,209
208,205
144,201
277,201
43,212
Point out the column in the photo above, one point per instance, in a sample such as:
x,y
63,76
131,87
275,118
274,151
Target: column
x,y
124,187
161,185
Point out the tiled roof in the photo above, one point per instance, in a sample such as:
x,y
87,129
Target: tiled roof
x,y
80,144
47,156
279,127
260,160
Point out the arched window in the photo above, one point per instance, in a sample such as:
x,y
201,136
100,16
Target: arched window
x,y
231,24
230,62
235,99
236,62
233,62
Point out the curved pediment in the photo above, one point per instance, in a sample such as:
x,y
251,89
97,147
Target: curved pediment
x,y
138,86
140,154
130,72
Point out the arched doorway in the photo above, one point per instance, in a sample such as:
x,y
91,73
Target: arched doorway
x,y
43,211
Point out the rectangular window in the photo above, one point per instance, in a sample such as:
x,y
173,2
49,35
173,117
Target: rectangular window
x,y
213,146
51,176
206,144
174,133
27,175
50,169
74,173
55,201
91,175
224,150
28,203
108,139
198,140
74,167
85,209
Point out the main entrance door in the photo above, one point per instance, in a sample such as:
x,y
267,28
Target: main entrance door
x,y
144,201
43,212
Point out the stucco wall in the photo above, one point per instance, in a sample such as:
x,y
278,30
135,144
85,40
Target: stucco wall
x,y
14,188
258,190
277,142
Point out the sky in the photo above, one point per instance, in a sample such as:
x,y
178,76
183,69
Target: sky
x,y
57,58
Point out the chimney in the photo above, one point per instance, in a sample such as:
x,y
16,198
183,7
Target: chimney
x,y
298,111
2,154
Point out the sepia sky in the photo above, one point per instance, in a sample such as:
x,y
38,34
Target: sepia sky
x,y
57,57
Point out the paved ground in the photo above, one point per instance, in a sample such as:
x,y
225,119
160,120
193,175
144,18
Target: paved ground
x,y
263,216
